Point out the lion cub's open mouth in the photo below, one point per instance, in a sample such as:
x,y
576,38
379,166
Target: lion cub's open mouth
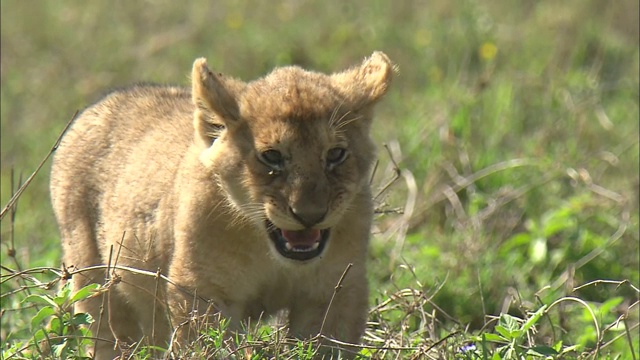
x,y
298,244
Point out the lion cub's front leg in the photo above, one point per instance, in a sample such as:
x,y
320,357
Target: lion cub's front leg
x,y
189,311
343,318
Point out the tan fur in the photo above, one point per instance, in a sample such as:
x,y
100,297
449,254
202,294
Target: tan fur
x,y
171,180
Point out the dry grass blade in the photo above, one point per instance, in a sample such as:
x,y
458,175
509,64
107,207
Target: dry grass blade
x,y
615,282
22,188
396,174
589,310
336,289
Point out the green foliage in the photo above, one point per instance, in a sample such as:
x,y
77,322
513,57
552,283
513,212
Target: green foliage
x,y
57,333
510,334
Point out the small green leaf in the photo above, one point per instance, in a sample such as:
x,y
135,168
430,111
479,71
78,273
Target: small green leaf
x,y
39,335
542,350
494,337
40,299
63,294
85,334
533,319
558,346
82,319
84,293
55,326
44,313
506,334
59,350
366,352
511,323
509,326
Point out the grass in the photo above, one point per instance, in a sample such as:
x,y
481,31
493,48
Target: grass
x,y
514,124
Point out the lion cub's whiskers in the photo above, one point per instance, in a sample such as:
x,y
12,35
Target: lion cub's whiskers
x,y
344,123
253,211
334,114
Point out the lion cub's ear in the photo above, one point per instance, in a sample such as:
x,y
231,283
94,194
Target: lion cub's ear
x,y
364,85
215,98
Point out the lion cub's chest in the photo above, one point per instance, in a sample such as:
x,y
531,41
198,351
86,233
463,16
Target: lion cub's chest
x,y
260,289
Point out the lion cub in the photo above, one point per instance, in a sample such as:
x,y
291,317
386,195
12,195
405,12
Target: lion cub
x,y
251,197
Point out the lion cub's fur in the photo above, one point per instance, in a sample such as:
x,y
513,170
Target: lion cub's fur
x,y
169,179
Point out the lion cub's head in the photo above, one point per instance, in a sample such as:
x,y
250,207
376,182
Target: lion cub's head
x,y
291,150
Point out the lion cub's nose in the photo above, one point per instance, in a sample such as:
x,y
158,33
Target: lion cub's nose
x,y
308,215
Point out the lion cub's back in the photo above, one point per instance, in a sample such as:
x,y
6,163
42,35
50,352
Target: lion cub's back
x,y
131,136
124,116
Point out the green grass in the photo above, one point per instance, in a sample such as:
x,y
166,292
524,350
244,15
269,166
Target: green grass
x,y
515,126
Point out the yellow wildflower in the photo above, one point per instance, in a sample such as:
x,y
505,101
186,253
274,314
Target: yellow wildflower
x,y
488,51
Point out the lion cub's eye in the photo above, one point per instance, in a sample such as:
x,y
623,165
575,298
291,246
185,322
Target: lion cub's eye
x,y
272,158
336,156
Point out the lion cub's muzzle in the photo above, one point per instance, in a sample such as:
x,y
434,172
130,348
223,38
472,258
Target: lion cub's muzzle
x,y
298,245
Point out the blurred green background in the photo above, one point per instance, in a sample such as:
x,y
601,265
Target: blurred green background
x,y
515,125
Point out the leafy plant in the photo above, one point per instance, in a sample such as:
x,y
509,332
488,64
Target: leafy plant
x,y
511,335
57,333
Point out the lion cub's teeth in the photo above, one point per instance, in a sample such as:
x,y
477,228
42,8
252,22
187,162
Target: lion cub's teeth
x,y
289,247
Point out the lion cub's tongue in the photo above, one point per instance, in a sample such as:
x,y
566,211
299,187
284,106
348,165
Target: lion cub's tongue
x,y
305,238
